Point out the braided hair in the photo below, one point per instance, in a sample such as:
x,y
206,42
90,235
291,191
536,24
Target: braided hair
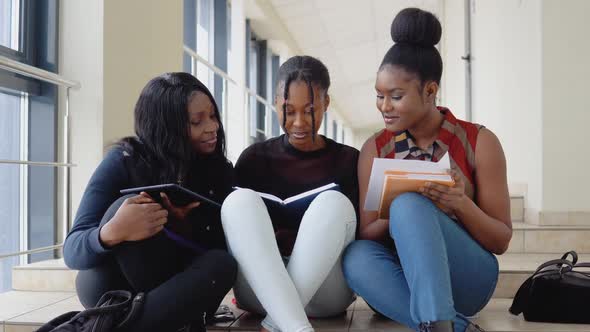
x,y
415,32
306,69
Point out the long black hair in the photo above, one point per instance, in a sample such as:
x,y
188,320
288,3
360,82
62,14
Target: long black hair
x,y
415,32
162,128
309,70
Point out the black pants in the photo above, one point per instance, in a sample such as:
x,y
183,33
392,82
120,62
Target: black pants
x,y
180,286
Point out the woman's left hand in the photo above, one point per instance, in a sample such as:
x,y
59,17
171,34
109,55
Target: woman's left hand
x,y
449,199
177,212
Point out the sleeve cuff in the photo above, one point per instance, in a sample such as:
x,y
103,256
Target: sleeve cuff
x,y
95,243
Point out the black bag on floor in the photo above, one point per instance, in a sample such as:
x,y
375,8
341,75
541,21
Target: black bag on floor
x,y
113,312
558,292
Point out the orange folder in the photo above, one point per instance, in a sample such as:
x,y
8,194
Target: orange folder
x,y
399,182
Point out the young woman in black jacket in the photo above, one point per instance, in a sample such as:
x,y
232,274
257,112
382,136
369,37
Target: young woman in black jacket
x,y
175,254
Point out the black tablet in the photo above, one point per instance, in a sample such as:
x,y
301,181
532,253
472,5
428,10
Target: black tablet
x,y
178,195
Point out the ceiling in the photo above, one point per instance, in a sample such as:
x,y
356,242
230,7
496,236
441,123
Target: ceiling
x,y
351,38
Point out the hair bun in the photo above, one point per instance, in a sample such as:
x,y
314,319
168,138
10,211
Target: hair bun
x,y
416,26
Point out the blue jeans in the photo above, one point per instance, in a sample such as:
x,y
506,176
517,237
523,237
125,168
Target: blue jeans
x,y
436,270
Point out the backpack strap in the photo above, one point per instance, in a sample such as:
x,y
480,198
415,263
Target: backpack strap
x,y
57,321
107,304
136,307
574,256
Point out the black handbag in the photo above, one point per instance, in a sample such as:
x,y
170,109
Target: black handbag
x,y
113,312
558,292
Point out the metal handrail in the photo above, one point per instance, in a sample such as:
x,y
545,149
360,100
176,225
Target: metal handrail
x,y
211,66
36,73
20,68
35,163
225,76
32,251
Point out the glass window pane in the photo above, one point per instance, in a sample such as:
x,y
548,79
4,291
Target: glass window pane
x,y
41,181
10,177
205,39
9,23
10,225
335,131
9,126
276,129
190,38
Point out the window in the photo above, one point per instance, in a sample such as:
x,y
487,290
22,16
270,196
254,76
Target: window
x,y
190,33
11,177
206,31
274,66
9,24
28,131
199,36
334,130
205,40
220,47
257,79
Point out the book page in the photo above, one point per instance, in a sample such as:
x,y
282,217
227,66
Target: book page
x,y
265,195
380,165
309,192
430,177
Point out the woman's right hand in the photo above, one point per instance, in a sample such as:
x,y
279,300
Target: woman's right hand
x,y
138,218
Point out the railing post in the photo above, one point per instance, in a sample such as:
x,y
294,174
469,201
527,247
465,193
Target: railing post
x,y
66,197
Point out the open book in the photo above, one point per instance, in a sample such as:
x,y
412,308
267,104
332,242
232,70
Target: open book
x,y
289,211
392,177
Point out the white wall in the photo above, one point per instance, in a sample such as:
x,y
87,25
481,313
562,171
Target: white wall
x,y
452,48
566,106
142,39
113,48
530,66
362,135
81,59
506,48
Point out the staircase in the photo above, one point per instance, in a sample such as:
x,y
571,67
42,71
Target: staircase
x,y
46,289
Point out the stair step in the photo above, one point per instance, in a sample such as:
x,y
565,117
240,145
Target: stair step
x,y
572,218
515,268
496,318
527,238
49,275
26,311
517,208
15,304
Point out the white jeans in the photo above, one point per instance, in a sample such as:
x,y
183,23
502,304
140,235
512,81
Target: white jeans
x,y
312,282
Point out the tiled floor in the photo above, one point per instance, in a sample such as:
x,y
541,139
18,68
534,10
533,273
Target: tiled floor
x,y
26,311
359,317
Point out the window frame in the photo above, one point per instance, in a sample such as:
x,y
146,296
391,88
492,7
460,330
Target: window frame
x,y
38,127
30,45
